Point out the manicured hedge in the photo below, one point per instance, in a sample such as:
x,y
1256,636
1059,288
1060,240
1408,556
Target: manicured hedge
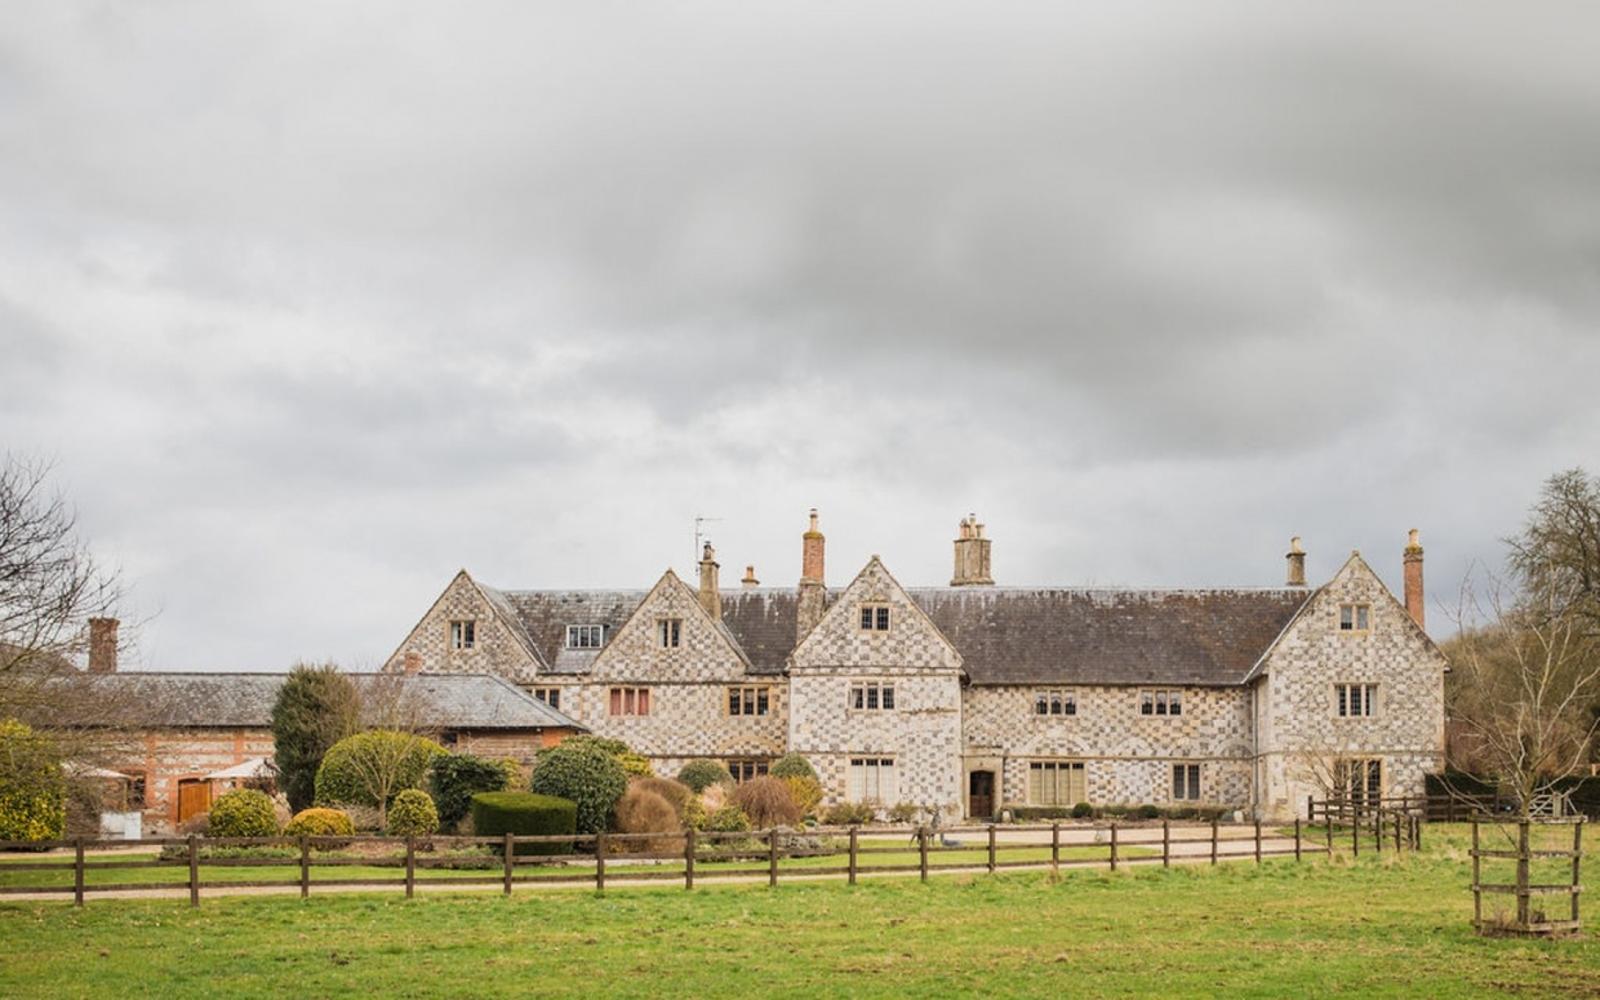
x,y
525,814
457,777
1460,782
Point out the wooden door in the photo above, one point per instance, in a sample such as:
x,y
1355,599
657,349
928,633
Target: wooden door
x,y
194,797
980,794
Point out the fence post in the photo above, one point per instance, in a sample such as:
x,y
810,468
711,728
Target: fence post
x,y
853,831
1213,841
1477,889
991,848
600,862
922,851
1258,841
1522,872
1377,830
1329,831
194,871
1450,809
1055,846
1397,846
688,859
411,867
1577,857
305,866
509,860
1113,845
772,857
1297,838
77,875
1166,844
1311,807
1355,832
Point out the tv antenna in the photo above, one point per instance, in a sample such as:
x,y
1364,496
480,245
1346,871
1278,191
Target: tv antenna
x,y
699,520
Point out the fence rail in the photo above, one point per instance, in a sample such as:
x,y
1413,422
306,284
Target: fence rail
x,y
692,857
1526,920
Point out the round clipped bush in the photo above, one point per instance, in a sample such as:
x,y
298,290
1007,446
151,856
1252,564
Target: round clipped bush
x,y
316,822
702,774
523,814
636,765
1082,810
413,815
848,814
243,812
585,774
371,768
641,810
457,777
766,800
792,765
728,819
33,792
806,792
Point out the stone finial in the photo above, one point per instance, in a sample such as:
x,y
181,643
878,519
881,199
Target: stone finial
x,y
1297,563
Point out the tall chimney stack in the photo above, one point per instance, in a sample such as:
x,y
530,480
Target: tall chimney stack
x,y
1413,565
813,591
750,582
710,596
1297,563
972,555
103,645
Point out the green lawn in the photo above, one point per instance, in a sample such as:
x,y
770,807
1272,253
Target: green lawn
x,y
1375,927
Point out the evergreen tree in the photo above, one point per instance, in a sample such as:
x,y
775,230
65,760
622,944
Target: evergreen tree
x,y
316,708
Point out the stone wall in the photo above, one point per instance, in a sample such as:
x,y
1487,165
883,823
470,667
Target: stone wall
x,y
167,756
496,649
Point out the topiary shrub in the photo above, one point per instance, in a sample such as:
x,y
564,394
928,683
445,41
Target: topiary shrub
x,y
1083,810
33,792
848,814
495,814
640,811
457,777
766,800
792,765
806,792
315,822
676,793
728,819
413,815
243,812
585,774
371,768
702,774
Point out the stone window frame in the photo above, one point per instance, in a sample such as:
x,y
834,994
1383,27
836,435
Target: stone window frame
x,y
586,636
1360,618
878,763
748,700
1187,780
1347,771
1050,698
870,696
1162,702
1057,765
1368,698
551,696
669,633
463,633
628,701
745,768
875,616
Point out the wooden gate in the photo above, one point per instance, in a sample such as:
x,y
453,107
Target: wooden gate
x,y
194,797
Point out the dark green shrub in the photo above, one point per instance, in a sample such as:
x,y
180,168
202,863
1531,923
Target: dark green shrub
x,y
32,788
243,812
316,707
1082,810
316,822
728,819
413,815
457,777
848,814
585,774
702,774
1028,814
1145,812
792,765
523,814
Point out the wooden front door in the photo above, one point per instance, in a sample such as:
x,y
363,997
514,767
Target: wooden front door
x,y
194,797
980,794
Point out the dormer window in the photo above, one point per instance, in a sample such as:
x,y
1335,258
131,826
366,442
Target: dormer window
x,y
1355,617
874,617
585,636
464,634
669,631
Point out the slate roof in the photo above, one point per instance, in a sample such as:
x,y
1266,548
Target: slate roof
x,y
1006,635
228,700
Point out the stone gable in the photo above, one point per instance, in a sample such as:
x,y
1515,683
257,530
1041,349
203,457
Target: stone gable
x,y
497,646
705,651
912,641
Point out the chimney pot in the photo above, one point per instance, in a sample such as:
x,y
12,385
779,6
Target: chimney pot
x,y
750,577
103,645
710,595
1297,563
1412,558
972,555
813,591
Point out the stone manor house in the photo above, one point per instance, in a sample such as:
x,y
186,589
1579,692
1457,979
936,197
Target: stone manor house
x,y
973,698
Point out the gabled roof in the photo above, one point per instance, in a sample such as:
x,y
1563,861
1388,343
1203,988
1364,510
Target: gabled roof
x,y
155,699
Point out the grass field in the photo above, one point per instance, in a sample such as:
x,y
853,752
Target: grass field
x,y
1375,927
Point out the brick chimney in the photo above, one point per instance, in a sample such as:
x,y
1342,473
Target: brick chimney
x,y
750,580
1413,565
1297,563
710,596
972,555
411,663
813,589
103,645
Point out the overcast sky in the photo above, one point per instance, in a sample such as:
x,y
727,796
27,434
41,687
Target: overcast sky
x,y
313,304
